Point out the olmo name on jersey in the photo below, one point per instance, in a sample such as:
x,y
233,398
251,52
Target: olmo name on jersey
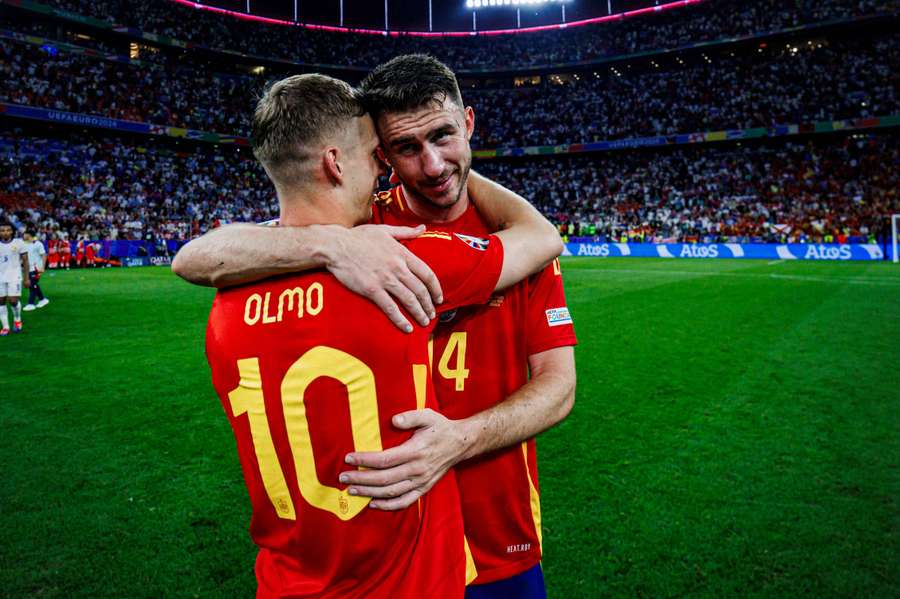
x,y
267,309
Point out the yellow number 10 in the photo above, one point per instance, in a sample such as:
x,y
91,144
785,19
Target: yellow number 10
x,y
318,362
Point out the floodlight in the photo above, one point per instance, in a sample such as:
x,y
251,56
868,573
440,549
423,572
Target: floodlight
x,y
475,4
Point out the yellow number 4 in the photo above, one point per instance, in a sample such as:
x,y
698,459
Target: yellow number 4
x,y
457,344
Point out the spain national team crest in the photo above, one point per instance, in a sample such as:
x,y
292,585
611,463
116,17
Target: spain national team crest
x,y
476,243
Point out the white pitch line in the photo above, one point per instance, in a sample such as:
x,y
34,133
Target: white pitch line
x,y
891,282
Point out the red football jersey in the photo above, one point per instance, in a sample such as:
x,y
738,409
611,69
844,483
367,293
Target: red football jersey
x,y
308,371
480,357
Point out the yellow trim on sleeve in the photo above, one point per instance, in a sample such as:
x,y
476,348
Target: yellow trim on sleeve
x,y
535,499
437,235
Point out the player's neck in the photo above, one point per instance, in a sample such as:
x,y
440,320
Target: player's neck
x,y
430,213
299,211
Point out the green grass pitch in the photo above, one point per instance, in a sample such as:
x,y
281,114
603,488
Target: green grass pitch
x,y
736,433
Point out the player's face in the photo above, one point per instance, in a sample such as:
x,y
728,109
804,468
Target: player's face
x,y
429,150
5,233
363,168
28,237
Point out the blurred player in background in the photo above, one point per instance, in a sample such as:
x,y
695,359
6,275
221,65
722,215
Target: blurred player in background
x,y
482,357
37,261
293,369
79,253
64,247
52,252
90,254
13,273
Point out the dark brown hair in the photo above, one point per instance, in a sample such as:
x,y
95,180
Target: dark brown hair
x,y
409,82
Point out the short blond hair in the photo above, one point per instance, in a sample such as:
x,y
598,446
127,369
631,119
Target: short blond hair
x,y
294,115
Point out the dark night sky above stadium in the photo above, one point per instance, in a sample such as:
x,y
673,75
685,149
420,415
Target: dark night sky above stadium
x,y
447,15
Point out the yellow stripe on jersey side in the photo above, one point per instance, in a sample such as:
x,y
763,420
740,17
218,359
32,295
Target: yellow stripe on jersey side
x,y
431,354
397,195
535,499
471,570
420,379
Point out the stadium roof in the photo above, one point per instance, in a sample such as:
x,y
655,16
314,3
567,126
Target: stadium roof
x,y
445,15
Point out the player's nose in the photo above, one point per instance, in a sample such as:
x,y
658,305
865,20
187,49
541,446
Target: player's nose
x,y
432,162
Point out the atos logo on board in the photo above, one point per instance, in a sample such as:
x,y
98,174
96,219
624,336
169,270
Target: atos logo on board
x,y
699,251
821,252
590,249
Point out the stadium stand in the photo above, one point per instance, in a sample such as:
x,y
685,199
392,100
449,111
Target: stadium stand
x,y
102,189
182,96
813,187
705,22
767,192
813,81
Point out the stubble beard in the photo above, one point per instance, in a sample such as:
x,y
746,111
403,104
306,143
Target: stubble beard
x,y
463,180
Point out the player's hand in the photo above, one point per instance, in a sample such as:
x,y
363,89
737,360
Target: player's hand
x,y
398,476
26,282
370,261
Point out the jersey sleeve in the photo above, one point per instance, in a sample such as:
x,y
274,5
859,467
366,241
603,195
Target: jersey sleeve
x,y
467,267
549,322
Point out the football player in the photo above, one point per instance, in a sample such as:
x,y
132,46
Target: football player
x,y
503,372
13,272
308,371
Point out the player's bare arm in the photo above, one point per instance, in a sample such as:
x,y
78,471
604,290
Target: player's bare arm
x,y
367,260
26,282
525,233
400,475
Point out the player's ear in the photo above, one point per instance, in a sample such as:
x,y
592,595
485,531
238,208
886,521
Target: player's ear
x,y
470,122
331,164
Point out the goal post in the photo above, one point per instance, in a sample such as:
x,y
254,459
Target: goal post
x,y
895,224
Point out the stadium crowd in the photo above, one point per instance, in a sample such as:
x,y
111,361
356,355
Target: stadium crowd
x,y
177,95
795,84
105,189
813,81
793,191
796,190
704,22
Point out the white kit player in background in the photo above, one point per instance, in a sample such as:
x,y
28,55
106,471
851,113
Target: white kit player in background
x,y
13,274
37,260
